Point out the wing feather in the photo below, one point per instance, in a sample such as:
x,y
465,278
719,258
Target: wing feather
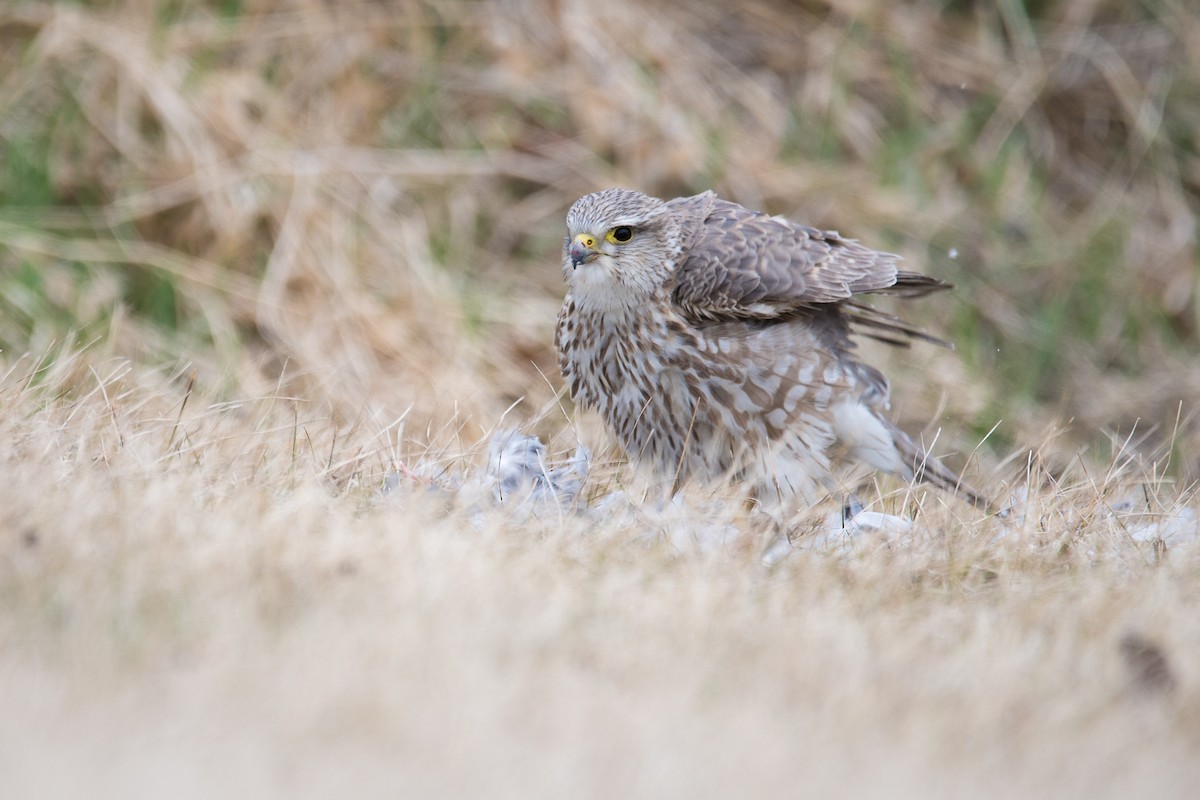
x,y
739,263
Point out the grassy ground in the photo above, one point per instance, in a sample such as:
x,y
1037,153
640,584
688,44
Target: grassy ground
x,y
255,258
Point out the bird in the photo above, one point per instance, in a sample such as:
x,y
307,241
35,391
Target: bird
x,y
716,342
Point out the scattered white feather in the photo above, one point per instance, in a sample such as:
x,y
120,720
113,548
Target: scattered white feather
x,y
1165,531
517,477
1173,530
842,529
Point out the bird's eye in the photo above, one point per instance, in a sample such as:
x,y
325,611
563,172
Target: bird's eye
x,y
621,233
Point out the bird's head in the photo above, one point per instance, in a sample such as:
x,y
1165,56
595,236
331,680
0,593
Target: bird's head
x,y
621,248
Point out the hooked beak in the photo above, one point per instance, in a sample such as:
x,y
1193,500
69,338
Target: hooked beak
x,y
583,249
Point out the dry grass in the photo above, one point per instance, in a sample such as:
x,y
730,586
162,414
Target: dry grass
x,y
210,598
256,256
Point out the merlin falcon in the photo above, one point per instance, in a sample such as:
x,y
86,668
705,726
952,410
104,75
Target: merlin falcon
x,y
715,342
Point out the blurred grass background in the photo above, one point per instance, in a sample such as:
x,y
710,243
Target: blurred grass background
x,y
360,204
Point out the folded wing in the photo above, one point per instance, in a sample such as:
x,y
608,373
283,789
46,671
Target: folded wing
x,y
739,263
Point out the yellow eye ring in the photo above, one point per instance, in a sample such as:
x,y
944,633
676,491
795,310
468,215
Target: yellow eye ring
x,y
620,234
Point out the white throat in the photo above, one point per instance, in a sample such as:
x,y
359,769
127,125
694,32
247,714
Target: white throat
x,y
596,289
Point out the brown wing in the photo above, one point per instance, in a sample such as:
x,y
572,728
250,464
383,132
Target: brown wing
x,y
739,263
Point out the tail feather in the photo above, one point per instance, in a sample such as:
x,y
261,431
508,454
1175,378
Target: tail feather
x,y
921,466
